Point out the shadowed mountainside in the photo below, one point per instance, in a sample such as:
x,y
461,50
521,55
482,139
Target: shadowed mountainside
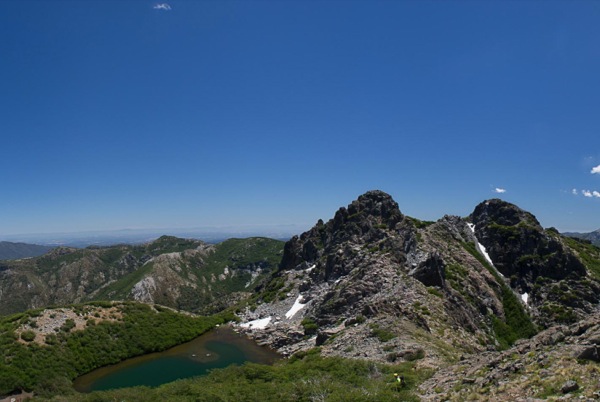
x,y
13,251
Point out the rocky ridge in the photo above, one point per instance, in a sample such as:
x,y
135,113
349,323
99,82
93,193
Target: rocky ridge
x,y
373,283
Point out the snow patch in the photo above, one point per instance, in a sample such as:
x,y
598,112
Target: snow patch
x,y
311,268
295,308
257,324
485,254
525,297
482,248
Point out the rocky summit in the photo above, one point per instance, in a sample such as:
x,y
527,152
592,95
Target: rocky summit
x,y
373,283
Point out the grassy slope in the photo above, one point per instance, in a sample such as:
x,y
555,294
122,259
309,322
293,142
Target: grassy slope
x,y
517,323
588,253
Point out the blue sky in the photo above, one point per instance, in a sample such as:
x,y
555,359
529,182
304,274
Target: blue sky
x,y
122,114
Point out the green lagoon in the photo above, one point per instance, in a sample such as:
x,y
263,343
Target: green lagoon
x,y
218,348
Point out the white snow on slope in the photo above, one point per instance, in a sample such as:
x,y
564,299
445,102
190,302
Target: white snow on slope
x,y
257,324
525,297
295,308
482,248
311,268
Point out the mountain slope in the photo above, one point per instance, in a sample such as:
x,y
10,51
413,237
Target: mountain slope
x,y
13,251
592,237
179,273
560,363
376,284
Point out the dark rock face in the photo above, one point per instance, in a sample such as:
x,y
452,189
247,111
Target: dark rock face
x,y
518,245
537,262
589,353
430,272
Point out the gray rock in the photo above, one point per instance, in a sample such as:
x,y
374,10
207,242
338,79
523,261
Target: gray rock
x,y
589,353
569,386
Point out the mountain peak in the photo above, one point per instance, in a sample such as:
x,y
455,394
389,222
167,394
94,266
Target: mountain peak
x,y
502,213
375,206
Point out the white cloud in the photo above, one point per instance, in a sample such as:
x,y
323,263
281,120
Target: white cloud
x,y
596,194
596,170
574,191
586,193
162,6
499,190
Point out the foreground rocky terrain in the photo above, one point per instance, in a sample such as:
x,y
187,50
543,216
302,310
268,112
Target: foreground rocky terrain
x,y
560,363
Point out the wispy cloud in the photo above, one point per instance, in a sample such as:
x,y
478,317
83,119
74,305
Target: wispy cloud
x,y
595,170
499,190
586,193
162,6
596,194
574,191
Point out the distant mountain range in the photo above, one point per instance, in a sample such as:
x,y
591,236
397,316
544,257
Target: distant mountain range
x,y
593,237
13,251
207,234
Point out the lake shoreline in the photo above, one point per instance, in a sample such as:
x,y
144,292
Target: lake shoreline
x,y
217,348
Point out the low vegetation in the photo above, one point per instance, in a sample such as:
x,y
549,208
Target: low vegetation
x,y
517,323
588,253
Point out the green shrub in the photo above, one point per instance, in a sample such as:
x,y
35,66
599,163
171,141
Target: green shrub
x,y
310,326
382,334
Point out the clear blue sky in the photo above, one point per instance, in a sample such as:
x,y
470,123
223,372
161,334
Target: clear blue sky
x,y
121,114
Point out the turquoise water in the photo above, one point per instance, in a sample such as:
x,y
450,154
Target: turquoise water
x,y
217,349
